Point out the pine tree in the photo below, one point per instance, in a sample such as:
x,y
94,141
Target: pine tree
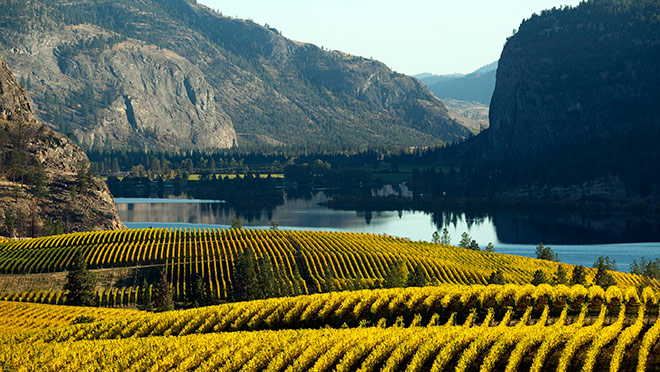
x,y
245,285
539,278
496,277
266,278
474,245
397,275
144,297
446,238
561,276
163,296
196,291
417,278
465,241
236,223
80,283
603,278
329,280
579,276
546,253
490,247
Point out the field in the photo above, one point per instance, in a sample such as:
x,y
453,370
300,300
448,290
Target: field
x,y
299,258
447,327
457,322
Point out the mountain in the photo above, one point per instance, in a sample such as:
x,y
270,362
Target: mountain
x,y
173,74
577,73
576,100
477,86
44,178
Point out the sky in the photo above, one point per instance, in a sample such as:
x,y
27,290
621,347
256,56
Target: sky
x,y
411,37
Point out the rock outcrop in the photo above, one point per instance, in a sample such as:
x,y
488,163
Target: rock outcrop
x,y
575,74
173,74
44,181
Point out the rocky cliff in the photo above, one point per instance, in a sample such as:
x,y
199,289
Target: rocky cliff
x,y
175,74
44,182
577,75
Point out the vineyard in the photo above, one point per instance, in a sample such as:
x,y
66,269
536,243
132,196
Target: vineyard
x,y
446,327
299,258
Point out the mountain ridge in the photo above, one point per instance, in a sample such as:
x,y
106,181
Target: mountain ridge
x,y
233,75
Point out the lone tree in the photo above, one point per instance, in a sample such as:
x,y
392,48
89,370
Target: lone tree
x,y
490,247
603,278
196,291
579,276
397,275
446,238
245,285
329,284
236,223
144,297
466,241
162,297
417,278
539,278
560,277
496,277
80,283
435,237
546,253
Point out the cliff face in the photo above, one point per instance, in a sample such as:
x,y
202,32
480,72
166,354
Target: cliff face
x,y
174,74
40,178
575,75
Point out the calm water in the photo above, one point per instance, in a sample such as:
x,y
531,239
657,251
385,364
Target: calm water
x,y
577,238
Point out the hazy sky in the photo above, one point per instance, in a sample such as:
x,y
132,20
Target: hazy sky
x,y
438,36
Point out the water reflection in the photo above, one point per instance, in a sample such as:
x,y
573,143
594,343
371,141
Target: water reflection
x,y
578,238
302,209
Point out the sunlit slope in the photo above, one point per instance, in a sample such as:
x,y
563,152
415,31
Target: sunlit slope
x,y
17,316
463,328
299,257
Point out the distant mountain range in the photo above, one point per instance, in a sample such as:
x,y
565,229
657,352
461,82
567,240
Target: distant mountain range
x,y
173,74
477,86
467,96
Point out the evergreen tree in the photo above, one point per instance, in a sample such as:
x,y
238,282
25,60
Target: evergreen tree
x,y
496,277
417,278
245,285
546,253
446,238
539,278
603,278
266,278
474,245
144,297
465,241
490,248
236,223
579,276
560,277
397,275
196,291
329,284
163,296
297,282
80,283
435,238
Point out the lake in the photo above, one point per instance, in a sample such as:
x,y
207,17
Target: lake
x,y
577,238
